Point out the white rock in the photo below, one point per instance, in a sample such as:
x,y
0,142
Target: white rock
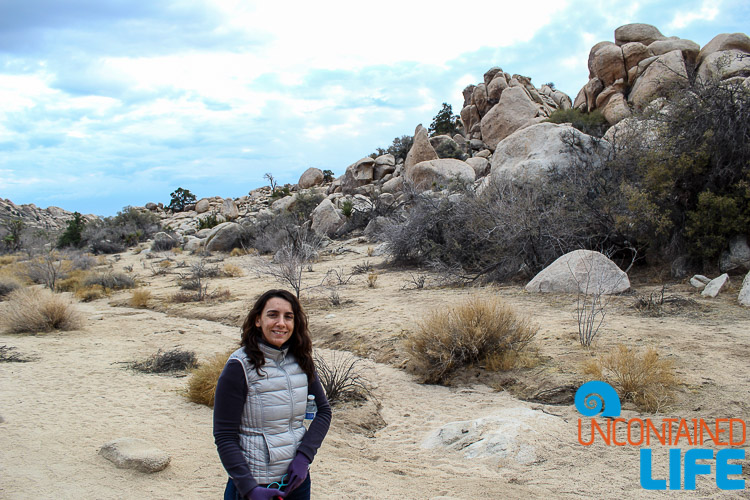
x,y
699,281
583,271
744,296
715,285
134,453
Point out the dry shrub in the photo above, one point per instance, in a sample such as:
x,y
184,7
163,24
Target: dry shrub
x,y
232,271
110,280
239,252
202,383
342,378
8,284
372,279
166,361
479,330
7,259
642,378
35,310
90,292
72,282
140,298
165,264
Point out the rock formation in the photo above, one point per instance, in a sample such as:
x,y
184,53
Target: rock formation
x,y
642,64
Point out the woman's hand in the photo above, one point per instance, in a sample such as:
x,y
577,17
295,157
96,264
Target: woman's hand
x,y
260,493
298,470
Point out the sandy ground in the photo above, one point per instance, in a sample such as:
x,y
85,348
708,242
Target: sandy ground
x,y
77,394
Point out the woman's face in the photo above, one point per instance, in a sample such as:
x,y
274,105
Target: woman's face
x,y
276,321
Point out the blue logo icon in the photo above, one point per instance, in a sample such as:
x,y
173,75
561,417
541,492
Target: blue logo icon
x,y
597,397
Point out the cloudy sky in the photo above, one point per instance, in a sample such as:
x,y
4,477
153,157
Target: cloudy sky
x,y
108,103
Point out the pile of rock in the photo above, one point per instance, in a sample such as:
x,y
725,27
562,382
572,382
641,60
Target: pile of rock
x,y
49,219
504,103
642,64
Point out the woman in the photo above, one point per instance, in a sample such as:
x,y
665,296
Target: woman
x,y
260,404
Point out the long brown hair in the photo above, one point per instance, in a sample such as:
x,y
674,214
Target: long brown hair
x,y
300,343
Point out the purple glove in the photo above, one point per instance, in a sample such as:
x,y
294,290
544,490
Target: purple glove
x,y
298,470
260,493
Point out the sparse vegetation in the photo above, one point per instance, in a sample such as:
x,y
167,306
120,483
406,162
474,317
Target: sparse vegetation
x,y
342,378
9,354
208,221
232,271
110,280
90,292
593,124
140,298
478,330
114,234
641,377
7,285
34,310
202,384
174,360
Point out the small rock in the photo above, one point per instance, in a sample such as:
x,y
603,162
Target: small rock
x,y
715,285
330,316
699,281
134,453
744,296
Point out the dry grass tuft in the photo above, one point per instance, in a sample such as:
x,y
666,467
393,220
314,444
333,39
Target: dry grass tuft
x,y
232,271
202,383
90,292
643,378
32,310
479,330
140,298
72,282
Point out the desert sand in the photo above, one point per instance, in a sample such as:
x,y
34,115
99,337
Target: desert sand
x,y
78,393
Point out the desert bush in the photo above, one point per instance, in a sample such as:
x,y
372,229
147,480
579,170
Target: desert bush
x,y
114,234
593,124
87,293
399,148
163,244
305,204
239,252
641,377
202,383
328,176
690,187
7,285
174,360
32,310
346,208
342,378
450,150
12,234
372,279
110,280
208,221
82,261
9,354
474,331
299,250
232,271
140,298
72,281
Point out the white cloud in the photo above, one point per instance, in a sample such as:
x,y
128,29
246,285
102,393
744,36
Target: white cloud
x,y
708,11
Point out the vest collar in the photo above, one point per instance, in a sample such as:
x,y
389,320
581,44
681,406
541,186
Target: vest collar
x,y
272,352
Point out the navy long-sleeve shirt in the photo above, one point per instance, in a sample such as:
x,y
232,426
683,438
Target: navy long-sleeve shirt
x,y
229,402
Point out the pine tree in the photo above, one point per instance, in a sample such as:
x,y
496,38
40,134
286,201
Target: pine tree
x,y
444,122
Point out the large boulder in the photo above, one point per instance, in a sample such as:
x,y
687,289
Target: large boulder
x,y
421,150
326,218
608,63
533,151
439,173
664,74
229,209
738,256
637,32
358,174
514,110
714,286
581,271
224,237
310,177
689,48
723,65
203,206
725,41
446,147
480,165
136,454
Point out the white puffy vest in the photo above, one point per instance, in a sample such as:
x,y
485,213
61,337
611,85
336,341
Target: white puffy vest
x,y
272,420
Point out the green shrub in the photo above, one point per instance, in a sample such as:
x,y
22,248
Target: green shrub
x,y
328,176
347,207
476,331
73,233
180,198
399,148
304,204
444,123
593,124
208,221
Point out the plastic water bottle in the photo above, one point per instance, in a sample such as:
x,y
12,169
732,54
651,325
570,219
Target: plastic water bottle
x,y
310,410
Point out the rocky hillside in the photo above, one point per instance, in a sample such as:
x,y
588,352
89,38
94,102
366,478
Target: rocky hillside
x,y
49,219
